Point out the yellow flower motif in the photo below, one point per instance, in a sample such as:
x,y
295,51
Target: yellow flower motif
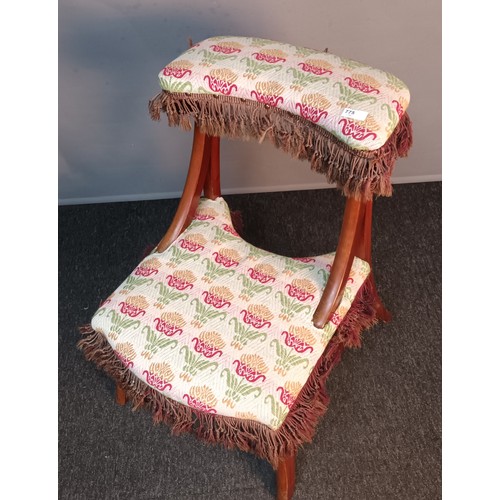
x,y
370,123
231,254
269,88
221,292
304,285
255,363
126,350
224,74
186,276
180,64
267,270
369,80
245,415
320,64
317,101
230,45
260,311
196,238
162,371
274,53
212,339
137,301
206,212
203,394
303,334
174,319
152,263
293,388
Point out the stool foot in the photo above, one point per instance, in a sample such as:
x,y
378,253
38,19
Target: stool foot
x,y
285,478
120,396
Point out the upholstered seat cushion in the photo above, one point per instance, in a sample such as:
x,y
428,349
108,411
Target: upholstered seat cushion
x,y
221,326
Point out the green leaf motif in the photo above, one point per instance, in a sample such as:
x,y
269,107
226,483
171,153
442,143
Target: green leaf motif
x,y
168,294
244,334
349,96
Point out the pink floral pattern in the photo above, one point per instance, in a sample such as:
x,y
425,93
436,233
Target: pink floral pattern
x,y
280,75
226,346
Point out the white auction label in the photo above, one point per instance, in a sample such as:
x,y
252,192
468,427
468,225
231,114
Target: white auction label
x,y
355,114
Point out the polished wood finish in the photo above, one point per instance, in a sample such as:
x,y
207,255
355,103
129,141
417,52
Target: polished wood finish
x,y
211,188
120,396
349,234
198,166
285,478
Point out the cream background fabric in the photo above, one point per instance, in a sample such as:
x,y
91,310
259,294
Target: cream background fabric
x,y
358,104
220,325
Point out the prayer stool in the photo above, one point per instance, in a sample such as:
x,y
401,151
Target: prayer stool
x,y
221,338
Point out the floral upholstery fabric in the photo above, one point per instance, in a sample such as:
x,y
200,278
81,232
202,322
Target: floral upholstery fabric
x,y
358,104
220,325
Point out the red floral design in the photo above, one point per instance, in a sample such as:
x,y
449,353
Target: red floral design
x,y
167,328
215,300
270,100
177,282
268,57
254,320
224,49
310,112
219,85
127,362
286,397
229,229
156,381
199,216
131,310
298,293
145,271
190,245
209,351
298,344
198,405
244,370
362,86
399,109
225,260
316,70
355,130
259,276
176,72
305,259
336,319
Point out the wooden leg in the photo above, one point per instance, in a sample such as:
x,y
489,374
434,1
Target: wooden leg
x,y
120,396
365,253
211,188
198,166
285,478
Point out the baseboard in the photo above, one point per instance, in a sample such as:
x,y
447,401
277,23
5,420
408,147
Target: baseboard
x,y
244,190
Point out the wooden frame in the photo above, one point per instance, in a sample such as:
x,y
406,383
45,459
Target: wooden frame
x,y
354,240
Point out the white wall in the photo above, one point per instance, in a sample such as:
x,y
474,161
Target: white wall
x,y
111,51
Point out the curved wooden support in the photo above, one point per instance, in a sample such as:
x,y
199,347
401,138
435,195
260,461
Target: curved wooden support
x,y
285,478
349,236
211,188
198,166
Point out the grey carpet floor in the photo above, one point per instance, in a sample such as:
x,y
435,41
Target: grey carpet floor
x,y
381,437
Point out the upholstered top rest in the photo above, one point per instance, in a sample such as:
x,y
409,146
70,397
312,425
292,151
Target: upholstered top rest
x,y
358,104
348,119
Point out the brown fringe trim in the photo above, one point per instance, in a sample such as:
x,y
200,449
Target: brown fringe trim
x,y
247,435
357,173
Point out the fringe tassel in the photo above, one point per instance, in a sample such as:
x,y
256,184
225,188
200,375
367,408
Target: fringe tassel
x,y
359,174
247,435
